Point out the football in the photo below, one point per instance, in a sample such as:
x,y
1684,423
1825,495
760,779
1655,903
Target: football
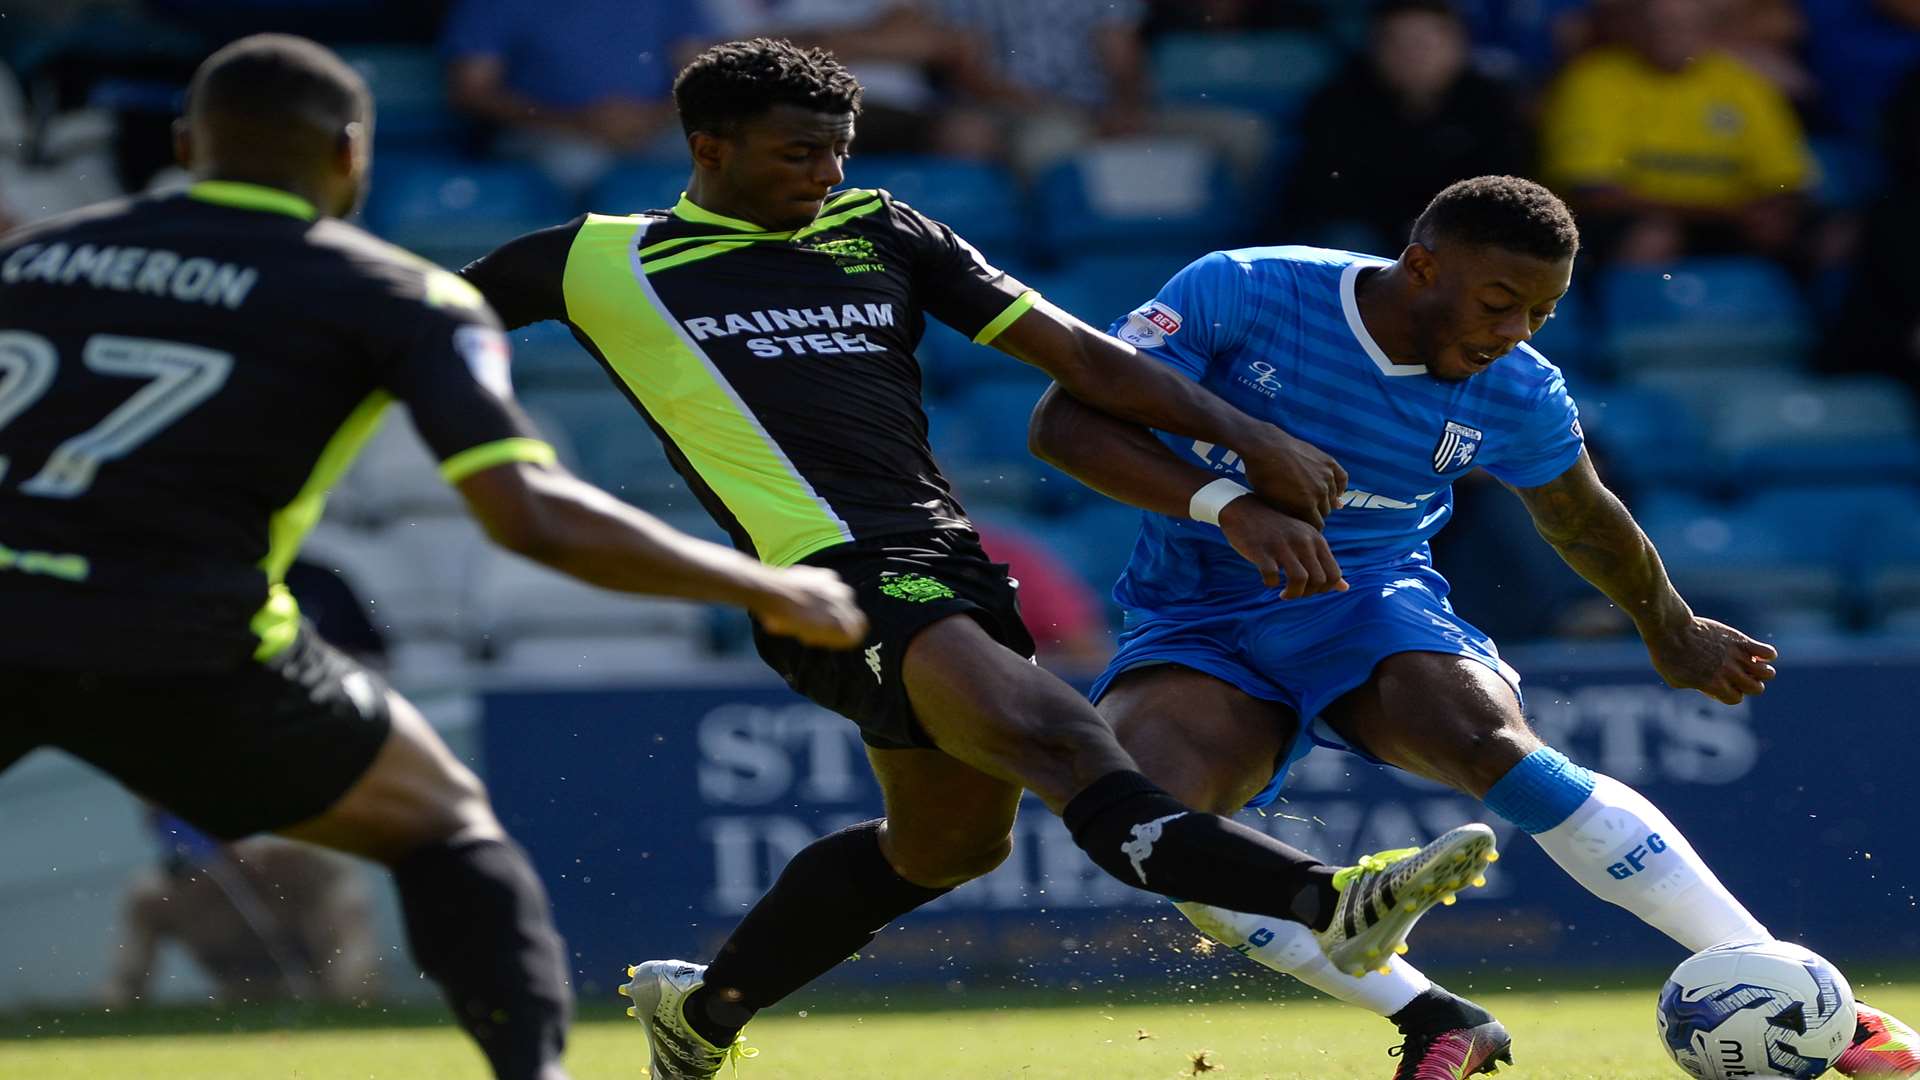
x,y
1758,1009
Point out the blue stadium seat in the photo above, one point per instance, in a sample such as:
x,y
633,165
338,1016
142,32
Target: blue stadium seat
x,y
981,202
410,97
1106,532
1838,431
1746,561
1851,173
1568,338
633,186
1713,313
452,211
997,410
616,448
1101,288
1272,73
1646,436
1140,195
546,357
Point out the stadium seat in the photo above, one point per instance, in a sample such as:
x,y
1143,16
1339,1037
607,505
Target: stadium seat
x,y
1728,313
1567,339
1272,73
453,211
614,446
1646,436
1107,531
1101,288
527,616
1743,561
1847,430
1139,195
395,477
980,201
409,85
633,186
1851,173
546,357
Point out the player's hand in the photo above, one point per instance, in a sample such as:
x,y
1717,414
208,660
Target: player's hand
x,y
1295,476
1281,546
1713,658
812,604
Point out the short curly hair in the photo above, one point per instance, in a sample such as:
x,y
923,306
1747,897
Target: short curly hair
x,y
1505,212
734,82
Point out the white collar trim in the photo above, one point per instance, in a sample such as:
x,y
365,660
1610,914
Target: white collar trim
x,y
1351,306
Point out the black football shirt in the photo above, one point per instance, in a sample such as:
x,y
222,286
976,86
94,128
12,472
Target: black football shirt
x,y
777,367
181,380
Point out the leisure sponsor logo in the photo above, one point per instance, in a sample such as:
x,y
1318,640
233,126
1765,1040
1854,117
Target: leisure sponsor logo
x,y
1150,326
1260,376
823,329
1456,448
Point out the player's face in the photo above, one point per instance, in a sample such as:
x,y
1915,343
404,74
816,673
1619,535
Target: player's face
x,y
779,168
1479,303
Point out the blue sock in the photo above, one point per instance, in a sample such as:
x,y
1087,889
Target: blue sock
x,y
1540,792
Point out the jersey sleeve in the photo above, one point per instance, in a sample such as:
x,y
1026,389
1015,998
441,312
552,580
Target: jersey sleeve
x,y
1196,316
1545,443
955,282
523,279
453,375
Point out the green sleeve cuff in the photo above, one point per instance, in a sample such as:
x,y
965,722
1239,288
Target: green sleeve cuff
x,y
1000,322
487,455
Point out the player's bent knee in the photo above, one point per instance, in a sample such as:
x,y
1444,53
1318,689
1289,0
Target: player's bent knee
x,y
944,867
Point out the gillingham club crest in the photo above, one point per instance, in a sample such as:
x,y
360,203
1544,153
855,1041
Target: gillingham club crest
x,y
1456,448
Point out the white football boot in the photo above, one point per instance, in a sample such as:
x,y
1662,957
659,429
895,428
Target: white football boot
x,y
659,990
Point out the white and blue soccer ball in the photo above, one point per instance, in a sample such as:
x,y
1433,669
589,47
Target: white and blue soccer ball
x,y
1766,1009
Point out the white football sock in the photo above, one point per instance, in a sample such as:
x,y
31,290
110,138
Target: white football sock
x,y
1625,851
1289,947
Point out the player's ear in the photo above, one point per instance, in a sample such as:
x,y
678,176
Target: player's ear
x,y
1419,263
709,150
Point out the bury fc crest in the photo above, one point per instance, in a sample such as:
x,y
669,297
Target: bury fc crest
x,y
1456,448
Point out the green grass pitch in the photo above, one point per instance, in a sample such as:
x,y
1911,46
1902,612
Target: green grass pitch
x,y
1562,1034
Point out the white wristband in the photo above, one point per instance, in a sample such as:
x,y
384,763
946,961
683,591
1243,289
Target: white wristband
x,y
1207,503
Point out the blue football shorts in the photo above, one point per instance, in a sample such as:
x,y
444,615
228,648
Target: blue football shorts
x,y
1306,653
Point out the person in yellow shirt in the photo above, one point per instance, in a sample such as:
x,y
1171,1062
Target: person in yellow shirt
x,y
1667,146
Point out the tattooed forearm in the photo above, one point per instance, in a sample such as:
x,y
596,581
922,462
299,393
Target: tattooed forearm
x,y
1596,536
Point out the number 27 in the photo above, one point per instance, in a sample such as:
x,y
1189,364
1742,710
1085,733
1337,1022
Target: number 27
x,y
182,377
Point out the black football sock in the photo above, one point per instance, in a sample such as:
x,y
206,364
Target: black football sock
x,y
828,903
479,925
1438,1010
1145,837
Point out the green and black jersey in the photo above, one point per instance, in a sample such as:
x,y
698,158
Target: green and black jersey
x,y
777,367
181,381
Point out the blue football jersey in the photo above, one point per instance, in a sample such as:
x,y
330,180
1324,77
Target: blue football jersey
x,y
1276,331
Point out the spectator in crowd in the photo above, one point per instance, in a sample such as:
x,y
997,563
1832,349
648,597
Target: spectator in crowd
x,y
1668,146
264,918
1879,327
1059,73
1768,36
1404,120
1526,40
572,85
1064,614
902,53
1859,50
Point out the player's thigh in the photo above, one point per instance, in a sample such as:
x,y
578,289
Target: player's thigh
x,y
947,822
1208,743
982,703
251,749
413,794
1443,716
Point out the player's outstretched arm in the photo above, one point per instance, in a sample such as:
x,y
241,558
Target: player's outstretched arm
x,y
1127,462
547,515
1114,378
1594,533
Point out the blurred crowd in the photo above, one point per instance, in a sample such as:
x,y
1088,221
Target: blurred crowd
x,y
1767,148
